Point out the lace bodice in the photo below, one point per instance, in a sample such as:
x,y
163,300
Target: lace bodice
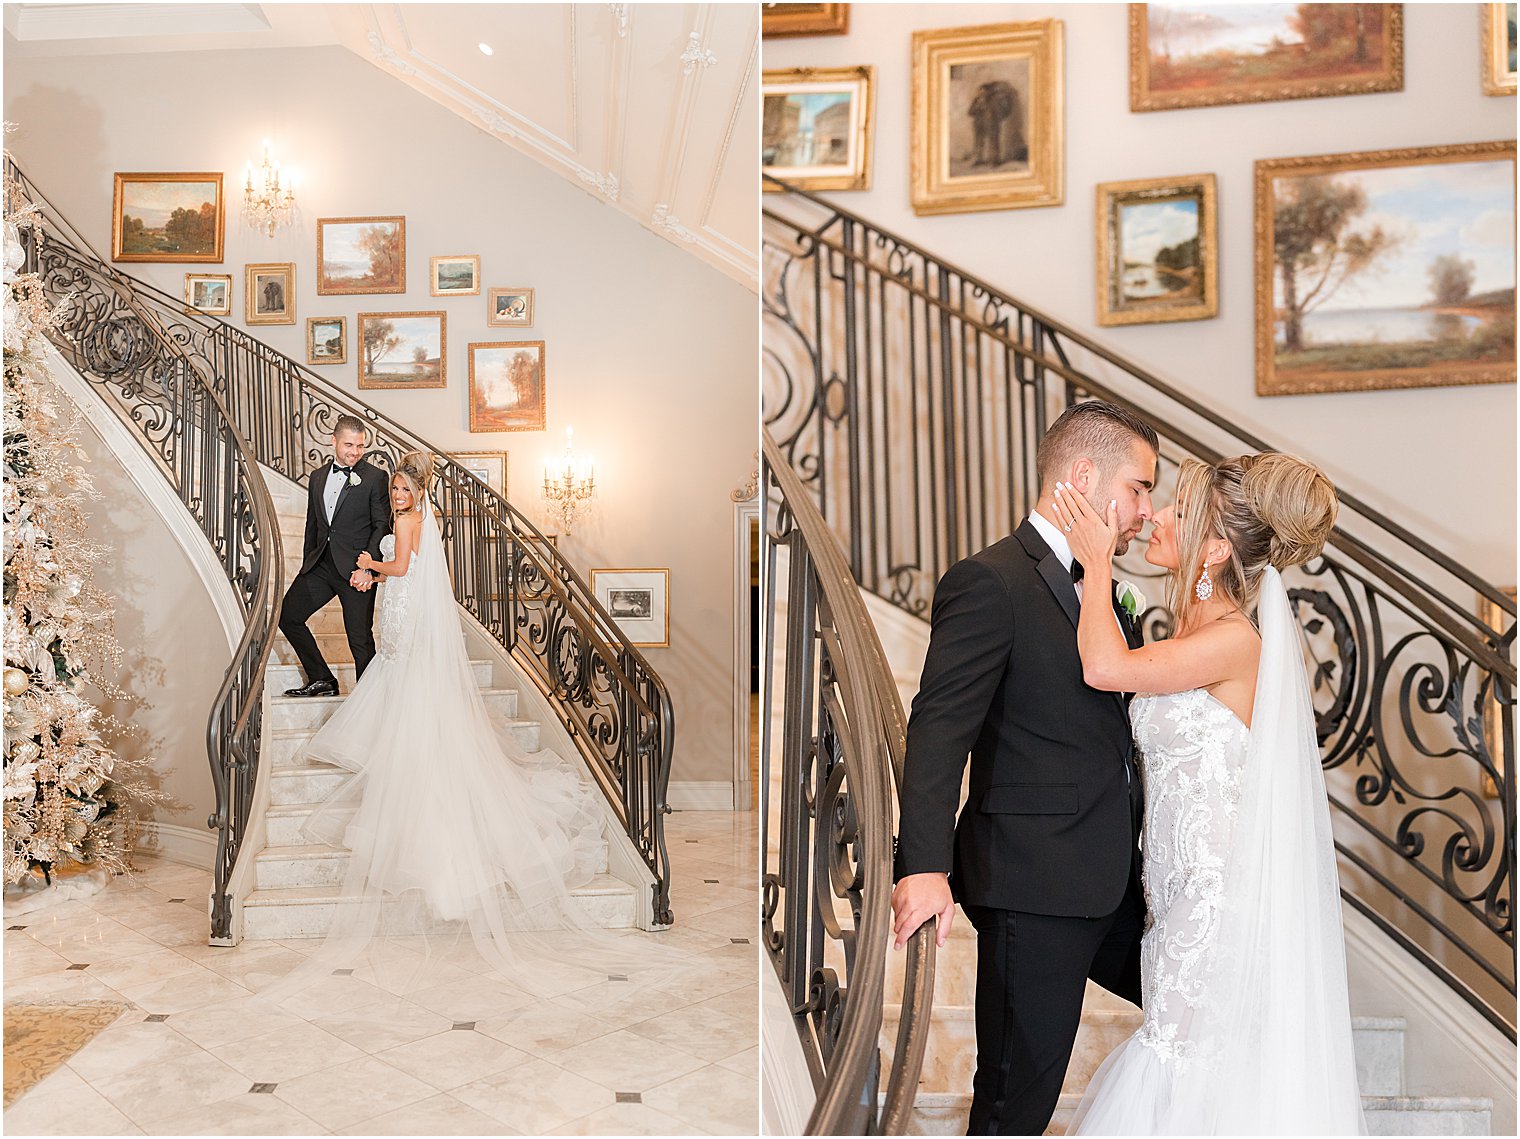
x,y
394,595
1193,752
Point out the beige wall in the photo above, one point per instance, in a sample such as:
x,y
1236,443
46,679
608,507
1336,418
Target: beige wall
x,y
1440,461
650,353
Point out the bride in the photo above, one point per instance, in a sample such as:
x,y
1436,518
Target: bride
x,y
452,829
1247,1028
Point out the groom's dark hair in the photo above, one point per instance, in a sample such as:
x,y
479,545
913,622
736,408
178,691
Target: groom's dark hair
x,y
1103,432
349,425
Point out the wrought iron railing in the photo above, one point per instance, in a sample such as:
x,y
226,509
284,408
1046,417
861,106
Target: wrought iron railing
x,y
173,404
909,396
505,572
826,895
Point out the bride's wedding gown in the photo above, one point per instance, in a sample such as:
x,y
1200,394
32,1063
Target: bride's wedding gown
x,y
454,831
1247,1029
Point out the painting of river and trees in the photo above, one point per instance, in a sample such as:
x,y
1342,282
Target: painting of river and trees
x,y
1203,55
361,255
1157,250
1388,269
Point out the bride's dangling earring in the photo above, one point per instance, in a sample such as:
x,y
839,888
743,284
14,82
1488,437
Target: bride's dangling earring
x,y
1205,587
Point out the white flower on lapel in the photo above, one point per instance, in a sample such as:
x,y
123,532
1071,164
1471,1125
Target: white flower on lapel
x,y
353,478
1131,600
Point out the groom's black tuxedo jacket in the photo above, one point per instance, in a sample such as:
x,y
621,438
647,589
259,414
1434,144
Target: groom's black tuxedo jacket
x,y
1049,826
361,518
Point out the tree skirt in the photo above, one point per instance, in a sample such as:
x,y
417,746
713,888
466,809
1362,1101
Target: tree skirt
x,y
39,1038
33,892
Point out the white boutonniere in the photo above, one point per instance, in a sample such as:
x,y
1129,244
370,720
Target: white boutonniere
x,y
353,478
1131,600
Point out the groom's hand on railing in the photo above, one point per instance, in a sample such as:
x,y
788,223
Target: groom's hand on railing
x,y
917,898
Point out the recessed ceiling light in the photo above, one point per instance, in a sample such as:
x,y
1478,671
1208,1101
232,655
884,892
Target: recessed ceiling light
x,y
485,49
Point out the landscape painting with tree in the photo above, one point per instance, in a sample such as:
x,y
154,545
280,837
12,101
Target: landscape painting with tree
x,y
1157,250
361,255
1389,269
507,386
402,349
1202,55
167,218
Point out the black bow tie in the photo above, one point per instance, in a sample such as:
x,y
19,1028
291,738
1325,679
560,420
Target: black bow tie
x,y
343,470
1076,571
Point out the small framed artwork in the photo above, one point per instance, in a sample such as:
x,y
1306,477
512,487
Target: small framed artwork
x,y
361,255
1208,55
490,467
507,382
269,293
210,293
638,600
167,217
988,115
402,349
1498,49
1386,269
327,339
456,276
816,128
1493,723
778,20
1158,250
510,308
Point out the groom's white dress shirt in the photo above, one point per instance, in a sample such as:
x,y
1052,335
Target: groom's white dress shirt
x,y
336,479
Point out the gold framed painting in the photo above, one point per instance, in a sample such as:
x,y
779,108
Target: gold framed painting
x,y
780,20
988,118
1208,55
490,467
358,256
167,217
1493,723
269,293
816,127
1158,250
1498,49
510,308
455,276
209,293
638,600
508,382
327,339
1386,269
402,349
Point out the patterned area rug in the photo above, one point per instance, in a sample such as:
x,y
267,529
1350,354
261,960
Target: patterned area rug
x,y
39,1038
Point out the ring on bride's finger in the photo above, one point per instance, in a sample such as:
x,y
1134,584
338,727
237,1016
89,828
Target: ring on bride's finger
x,y
1067,527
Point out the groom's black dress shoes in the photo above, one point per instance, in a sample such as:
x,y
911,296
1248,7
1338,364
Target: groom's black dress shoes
x,y
315,688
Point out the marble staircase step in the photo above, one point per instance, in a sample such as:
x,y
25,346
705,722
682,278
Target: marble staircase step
x,y
950,1058
944,1113
302,912
303,863
332,646
283,823
313,711
279,677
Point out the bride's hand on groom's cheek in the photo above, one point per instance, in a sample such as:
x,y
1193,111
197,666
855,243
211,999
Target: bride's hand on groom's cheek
x,y
1093,537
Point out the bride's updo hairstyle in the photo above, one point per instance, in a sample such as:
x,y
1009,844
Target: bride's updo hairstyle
x,y
416,470
1274,510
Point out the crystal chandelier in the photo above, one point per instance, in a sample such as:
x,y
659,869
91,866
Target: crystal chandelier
x,y
569,484
267,203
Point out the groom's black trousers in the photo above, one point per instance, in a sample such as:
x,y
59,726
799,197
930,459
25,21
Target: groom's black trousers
x,y
1031,971
308,593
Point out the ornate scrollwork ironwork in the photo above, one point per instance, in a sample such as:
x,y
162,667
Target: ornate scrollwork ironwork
x,y
941,386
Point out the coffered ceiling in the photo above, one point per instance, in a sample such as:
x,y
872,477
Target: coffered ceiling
x,y
652,108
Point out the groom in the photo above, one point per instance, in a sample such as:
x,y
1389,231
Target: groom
x,y
347,510
1044,858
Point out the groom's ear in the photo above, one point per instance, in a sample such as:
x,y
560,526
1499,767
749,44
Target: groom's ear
x,y
1081,475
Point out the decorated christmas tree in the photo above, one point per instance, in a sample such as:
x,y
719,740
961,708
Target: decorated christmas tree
x,y
60,793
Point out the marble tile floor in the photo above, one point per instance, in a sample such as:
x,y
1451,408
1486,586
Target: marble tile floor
x,y
199,1054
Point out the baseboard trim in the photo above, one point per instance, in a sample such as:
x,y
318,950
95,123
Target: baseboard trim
x,y
699,795
189,846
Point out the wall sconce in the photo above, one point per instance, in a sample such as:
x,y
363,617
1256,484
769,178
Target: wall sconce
x,y
267,203
569,483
